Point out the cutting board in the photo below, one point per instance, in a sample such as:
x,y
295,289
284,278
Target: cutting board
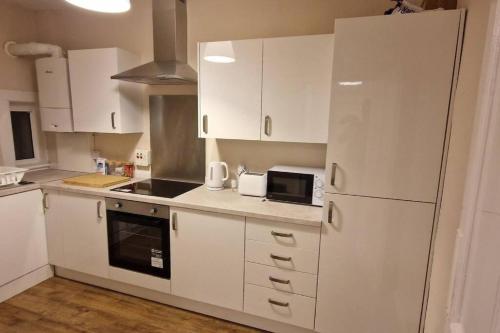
x,y
95,180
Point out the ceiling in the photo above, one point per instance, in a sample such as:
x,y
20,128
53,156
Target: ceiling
x,y
40,4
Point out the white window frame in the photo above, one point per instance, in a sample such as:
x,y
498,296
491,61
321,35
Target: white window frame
x,y
13,100
35,132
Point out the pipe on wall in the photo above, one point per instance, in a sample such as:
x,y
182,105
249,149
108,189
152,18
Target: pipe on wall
x,y
14,49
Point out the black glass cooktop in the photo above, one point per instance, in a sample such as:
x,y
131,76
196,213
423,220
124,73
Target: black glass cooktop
x,y
158,188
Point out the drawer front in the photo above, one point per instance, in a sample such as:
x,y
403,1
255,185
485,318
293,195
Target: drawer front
x,y
283,257
292,309
281,279
286,234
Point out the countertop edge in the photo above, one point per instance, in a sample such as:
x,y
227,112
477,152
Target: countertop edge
x,y
107,193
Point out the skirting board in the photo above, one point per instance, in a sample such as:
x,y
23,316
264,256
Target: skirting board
x,y
183,303
27,281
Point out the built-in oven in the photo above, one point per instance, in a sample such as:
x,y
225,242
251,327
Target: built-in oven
x,y
138,237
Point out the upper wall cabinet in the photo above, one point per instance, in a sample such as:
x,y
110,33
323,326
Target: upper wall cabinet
x,y
54,95
230,93
296,87
276,89
100,104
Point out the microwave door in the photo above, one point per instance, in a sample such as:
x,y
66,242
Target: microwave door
x,y
290,187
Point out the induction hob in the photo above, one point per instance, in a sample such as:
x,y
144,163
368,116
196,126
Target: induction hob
x,y
158,188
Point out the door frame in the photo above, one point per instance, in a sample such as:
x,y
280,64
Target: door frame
x,y
487,104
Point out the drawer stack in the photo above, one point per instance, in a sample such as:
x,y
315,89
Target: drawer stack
x,y
281,267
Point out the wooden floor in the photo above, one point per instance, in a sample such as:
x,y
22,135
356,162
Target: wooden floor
x,y
60,305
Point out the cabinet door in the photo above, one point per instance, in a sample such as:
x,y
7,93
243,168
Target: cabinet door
x,y
230,93
392,79
55,212
95,96
296,86
23,246
373,261
82,220
53,83
208,257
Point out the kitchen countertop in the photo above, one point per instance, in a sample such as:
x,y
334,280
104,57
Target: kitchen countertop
x,y
38,177
225,201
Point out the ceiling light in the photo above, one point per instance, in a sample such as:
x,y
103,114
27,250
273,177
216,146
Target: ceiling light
x,y
220,52
104,6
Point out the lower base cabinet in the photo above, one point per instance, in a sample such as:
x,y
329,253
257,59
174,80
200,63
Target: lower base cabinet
x,y
23,246
207,254
373,264
77,232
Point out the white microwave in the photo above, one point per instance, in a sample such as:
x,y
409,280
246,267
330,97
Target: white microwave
x,y
296,185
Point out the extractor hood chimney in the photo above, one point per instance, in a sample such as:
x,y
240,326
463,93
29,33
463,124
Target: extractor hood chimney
x,y
170,48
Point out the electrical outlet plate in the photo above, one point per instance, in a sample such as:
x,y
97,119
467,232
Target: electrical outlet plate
x,y
142,157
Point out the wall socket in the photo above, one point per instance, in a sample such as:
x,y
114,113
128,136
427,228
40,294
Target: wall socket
x,y
142,157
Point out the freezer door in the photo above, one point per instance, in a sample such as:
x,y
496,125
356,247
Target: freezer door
x,y
373,261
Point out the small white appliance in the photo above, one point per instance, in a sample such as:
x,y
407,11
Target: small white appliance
x,y
296,185
253,184
217,174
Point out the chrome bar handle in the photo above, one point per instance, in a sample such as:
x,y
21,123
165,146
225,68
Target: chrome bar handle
x,y
278,303
273,256
174,221
205,124
334,172
330,211
113,125
45,202
99,204
281,234
273,279
267,126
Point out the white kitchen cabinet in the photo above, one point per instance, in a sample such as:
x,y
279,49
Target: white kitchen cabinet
x,y
230,93
207,257
101,104
77,232
392,80
373,265
23,246
54,94
296,86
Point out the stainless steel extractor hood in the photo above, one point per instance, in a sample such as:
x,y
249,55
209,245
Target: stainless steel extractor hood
x,y
170,48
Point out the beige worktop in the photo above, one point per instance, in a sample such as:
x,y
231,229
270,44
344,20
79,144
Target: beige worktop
x,y
226,201
38,177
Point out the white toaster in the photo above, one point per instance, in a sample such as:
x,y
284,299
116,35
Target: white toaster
x,y
252,183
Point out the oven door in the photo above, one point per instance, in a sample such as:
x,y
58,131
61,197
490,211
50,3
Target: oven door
x,y
139,243
290,187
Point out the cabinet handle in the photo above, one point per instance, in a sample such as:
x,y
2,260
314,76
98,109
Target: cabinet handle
x,y
330,212
281,234
273,279
174,221
273,256
278,303
334,172
267,126
205,124
99,204
113,120
45,202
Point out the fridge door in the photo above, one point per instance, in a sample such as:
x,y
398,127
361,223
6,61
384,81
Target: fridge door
x,y
373,261
392,82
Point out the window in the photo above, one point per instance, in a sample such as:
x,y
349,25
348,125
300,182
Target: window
x,y
26,139
22,135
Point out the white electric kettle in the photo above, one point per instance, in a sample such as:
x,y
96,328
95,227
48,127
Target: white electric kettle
x,y
216,176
